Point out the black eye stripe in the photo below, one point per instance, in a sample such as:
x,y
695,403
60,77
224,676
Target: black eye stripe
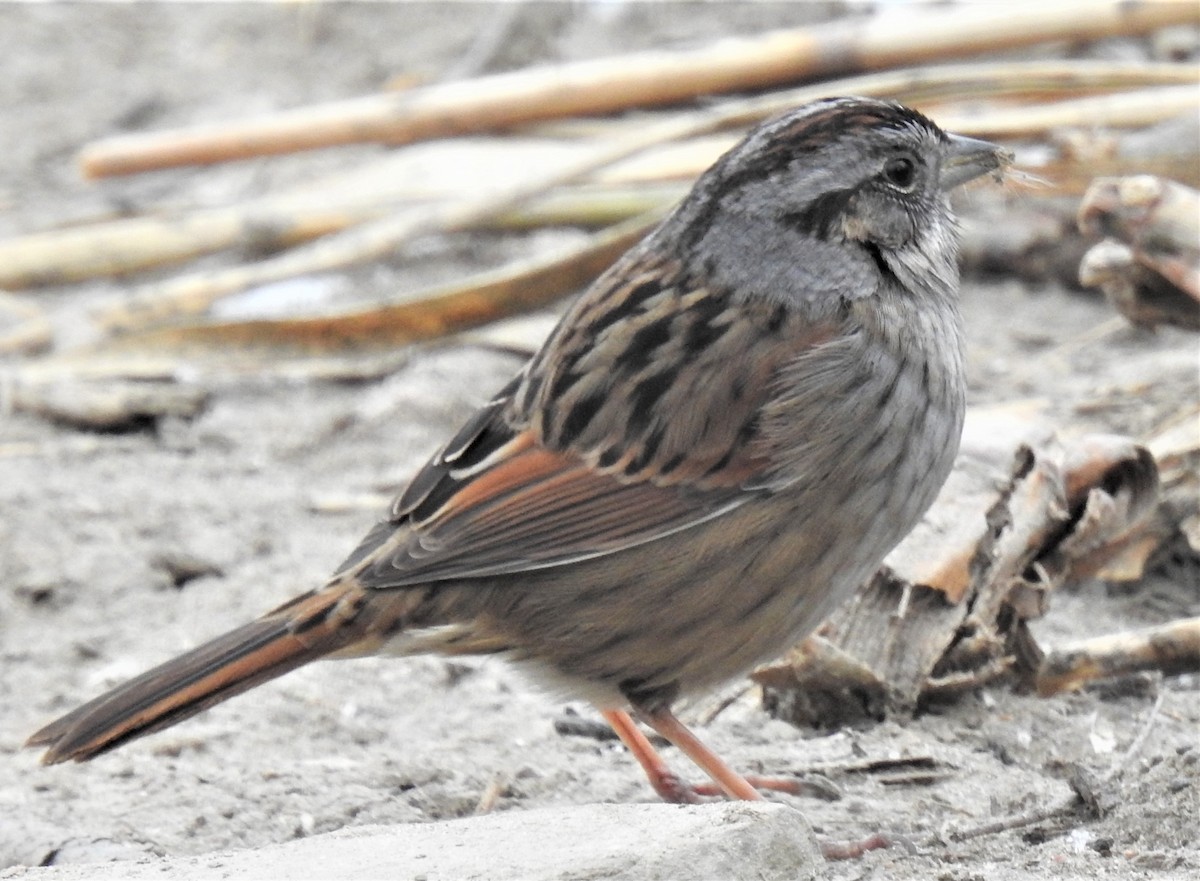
x,y
820,217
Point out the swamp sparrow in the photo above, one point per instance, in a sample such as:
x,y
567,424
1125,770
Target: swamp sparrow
x,y
718,443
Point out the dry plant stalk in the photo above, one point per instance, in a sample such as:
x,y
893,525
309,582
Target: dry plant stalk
x,y
1120,110
638,80
1168,150
1149,266
947,610
127,245
24,327
1146,212
423,316
1140,293
1176,447
106,406
1003,82
1124,109
1170,648
411,177
191,295
1174,524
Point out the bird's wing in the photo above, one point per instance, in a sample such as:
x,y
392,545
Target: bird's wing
x,y
640,417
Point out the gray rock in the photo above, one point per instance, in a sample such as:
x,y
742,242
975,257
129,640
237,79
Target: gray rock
x,y
639,842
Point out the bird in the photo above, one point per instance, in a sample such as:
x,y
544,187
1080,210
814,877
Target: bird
x,y
718,443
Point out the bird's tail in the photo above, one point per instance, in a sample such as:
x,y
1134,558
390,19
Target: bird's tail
x,y
309,627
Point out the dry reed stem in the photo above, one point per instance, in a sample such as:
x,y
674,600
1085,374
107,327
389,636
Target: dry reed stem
x,y
193,294
333,204
423,316
637,80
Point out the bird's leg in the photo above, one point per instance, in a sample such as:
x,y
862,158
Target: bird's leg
x,y
730,782
671,788
666,783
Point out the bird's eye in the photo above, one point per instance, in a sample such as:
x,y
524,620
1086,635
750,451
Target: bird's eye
x,y
900,172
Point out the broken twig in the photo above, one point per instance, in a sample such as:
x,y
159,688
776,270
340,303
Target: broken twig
x,y
1168,648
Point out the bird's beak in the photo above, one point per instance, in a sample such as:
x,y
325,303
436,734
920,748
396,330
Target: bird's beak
x,y
965,159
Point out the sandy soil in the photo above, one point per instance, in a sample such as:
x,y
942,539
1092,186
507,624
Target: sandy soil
x,y
91,522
